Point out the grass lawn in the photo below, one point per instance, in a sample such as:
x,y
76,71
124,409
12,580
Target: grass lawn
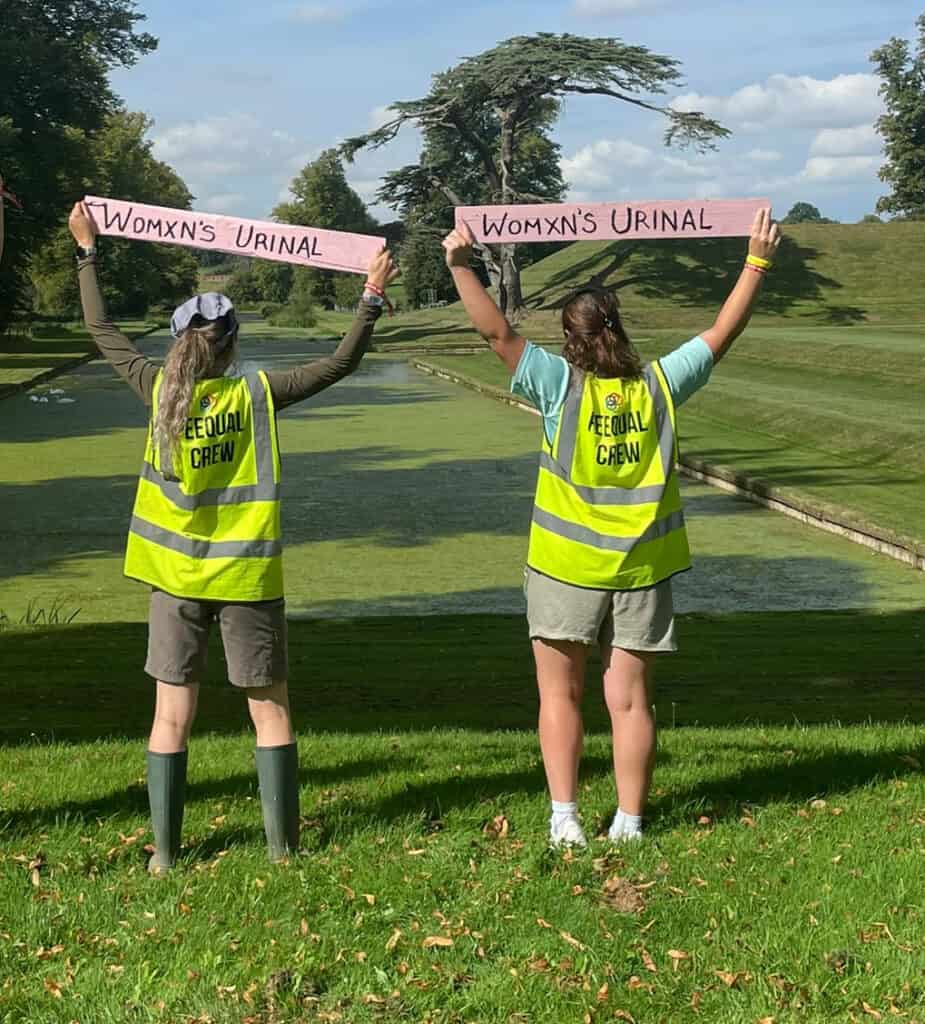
x,y
23,357
777,880
835,414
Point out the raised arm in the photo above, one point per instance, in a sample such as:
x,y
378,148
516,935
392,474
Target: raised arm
x,y
304,381
737,309
134,368
486,318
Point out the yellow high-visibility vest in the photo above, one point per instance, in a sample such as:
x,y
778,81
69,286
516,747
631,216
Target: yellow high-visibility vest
x,y
210,529
607,513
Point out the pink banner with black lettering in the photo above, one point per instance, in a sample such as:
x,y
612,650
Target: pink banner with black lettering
x,y
575,222
287,243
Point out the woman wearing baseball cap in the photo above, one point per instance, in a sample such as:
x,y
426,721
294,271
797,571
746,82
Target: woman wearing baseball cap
x,y
205,530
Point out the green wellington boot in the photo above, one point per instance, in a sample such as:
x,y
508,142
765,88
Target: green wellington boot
x,y
278,775
167,797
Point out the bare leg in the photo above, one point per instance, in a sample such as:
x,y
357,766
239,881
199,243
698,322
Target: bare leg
x,y
269,711
560,675
628,689
174,712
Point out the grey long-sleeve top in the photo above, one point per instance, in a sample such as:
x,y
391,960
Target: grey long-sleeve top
x,y
287,387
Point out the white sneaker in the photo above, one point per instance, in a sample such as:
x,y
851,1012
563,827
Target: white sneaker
x,y
568,834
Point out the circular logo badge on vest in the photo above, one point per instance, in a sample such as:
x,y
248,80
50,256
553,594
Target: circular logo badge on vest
x,y
206,402
613,401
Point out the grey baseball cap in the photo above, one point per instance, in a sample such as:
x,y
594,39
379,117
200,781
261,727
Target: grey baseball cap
x,y
209,305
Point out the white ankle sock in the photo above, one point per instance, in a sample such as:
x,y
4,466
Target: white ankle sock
x,y
561,813
625,825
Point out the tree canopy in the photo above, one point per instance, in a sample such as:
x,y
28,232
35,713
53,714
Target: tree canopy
x,y
487,104
322,198
117,161
805,213
55,56
902,86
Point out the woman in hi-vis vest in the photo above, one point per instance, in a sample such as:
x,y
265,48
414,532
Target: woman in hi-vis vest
x,y
608,529
205,531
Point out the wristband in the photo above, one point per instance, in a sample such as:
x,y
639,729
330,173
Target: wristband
x,y
756,270
380,294
758,261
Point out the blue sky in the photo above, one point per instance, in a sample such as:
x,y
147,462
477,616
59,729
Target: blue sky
x,y
245,93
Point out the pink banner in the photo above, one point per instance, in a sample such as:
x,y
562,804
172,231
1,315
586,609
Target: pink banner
x,y
572,222
287,243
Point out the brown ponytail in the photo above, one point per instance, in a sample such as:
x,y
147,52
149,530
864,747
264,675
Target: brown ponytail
x,y
594,336
190,359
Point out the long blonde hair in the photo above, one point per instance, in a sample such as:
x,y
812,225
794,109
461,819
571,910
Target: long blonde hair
x,y
193,356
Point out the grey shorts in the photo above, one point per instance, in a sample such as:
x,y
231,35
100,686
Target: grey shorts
x,y
253,635
635,620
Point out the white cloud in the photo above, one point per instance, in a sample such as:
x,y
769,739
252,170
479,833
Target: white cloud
x,y
764,156
840,168
603,8
224,202
315,13
793,101
379,116
601,162
365,188
862,139
224,145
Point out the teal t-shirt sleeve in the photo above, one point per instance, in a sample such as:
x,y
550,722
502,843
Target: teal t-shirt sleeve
x,y
541,378
687,369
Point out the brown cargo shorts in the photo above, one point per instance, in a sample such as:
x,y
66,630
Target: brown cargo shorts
x,y
254,636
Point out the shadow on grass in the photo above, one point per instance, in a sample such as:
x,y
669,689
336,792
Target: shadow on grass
x,y
78,683
698,274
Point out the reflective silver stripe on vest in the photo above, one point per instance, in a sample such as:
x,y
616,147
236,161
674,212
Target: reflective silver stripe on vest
x,y
266,488
603,541
204,548
604,495
568,424
662,420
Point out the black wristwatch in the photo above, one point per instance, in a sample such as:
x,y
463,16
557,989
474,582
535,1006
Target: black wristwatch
x,y
85,254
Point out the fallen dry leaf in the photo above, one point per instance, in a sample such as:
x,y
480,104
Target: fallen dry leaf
x,y
732,979
572,941
440,941
542,923
677,956
392,942
497,828
647,960
603,992
624,1015
870,1011
636,982
53,988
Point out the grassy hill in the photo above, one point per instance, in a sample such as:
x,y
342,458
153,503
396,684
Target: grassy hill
x,y
823,397
834,274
